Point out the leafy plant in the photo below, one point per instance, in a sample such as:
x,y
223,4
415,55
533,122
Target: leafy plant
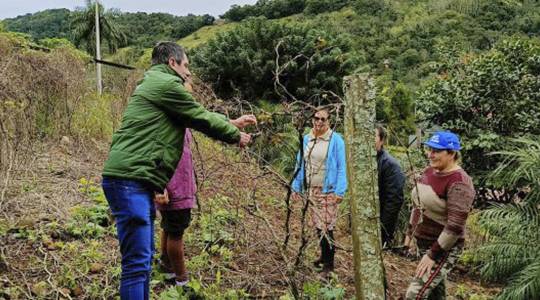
x,y
513,231
196,289
332,290
242,62
488,100
93,221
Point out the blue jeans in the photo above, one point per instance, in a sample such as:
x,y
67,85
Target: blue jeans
x,y
132,206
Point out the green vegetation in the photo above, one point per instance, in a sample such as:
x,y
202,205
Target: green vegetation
x,y
84,23
242,62
270,9
205,34
488,99
472,66
275,9
510,253
51,23
139,30
144,30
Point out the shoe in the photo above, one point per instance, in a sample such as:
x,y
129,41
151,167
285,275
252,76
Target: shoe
x,y
328,268
167,271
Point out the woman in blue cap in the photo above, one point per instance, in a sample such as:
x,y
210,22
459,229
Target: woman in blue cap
x,y
442,200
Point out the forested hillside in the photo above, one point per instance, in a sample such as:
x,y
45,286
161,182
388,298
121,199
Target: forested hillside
x,y
142,29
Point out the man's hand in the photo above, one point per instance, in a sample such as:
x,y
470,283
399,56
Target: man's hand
x,y
245,138
244,121
161,198
424,267
296,197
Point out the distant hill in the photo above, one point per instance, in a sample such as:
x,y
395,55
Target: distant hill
x,y
44,24
142,29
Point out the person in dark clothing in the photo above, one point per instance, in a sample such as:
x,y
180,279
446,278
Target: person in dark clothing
x,y
391,181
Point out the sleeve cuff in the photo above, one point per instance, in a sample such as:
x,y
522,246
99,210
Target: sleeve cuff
x,y
436,252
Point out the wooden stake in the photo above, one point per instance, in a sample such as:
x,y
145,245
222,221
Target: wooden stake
x,y
362,189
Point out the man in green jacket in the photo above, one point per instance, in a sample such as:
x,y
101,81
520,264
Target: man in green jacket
x,y
145,152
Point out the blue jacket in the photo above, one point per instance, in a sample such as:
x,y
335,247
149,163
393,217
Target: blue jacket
x,y
335,179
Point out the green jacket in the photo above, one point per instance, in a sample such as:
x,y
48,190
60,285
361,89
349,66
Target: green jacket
x,y
149,143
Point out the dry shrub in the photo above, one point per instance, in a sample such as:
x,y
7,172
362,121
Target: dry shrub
x,y
38,92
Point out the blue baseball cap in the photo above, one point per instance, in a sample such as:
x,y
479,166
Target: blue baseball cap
x,y
444,140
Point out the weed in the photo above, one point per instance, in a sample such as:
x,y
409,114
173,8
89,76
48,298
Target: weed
x,y
196,289
90,222
333,290
199,263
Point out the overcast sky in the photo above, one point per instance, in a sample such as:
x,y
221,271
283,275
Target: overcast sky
x,y
13,8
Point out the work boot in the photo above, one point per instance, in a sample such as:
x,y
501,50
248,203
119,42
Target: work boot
x,y
329,250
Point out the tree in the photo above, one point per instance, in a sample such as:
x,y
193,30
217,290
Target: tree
x,y
50,23
242,62
84,32
271,9
320,6
488,100
399,111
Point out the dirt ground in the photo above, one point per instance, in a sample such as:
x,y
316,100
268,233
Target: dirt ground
x,y
41,259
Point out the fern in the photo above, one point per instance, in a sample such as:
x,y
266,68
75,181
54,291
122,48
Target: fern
x,y
513,231
525,284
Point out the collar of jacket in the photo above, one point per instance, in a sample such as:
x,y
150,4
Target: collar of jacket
x,y
165,69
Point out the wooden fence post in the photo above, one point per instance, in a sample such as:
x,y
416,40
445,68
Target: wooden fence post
x,y
362,189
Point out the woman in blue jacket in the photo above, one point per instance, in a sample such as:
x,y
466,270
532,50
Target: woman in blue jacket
x,y
321,176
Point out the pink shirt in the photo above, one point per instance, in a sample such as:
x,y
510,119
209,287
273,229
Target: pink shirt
x,y
182,186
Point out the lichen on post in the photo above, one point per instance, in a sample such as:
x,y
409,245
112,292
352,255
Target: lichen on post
x,y
362,188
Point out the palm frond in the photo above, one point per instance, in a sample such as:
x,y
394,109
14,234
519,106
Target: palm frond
x,y
502,259
521,165
513,220
84,23
524,285
513,231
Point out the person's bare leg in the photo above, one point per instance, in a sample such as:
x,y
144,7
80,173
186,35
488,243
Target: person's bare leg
x,y
164,257
175,251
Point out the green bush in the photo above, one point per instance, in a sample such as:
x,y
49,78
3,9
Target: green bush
x,y
487,100
242,62
271,9
319,6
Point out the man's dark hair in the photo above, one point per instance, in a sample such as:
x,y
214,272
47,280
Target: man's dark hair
x,y
381,131
165,50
